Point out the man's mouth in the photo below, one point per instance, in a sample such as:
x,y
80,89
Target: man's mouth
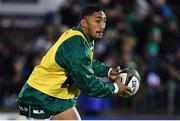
x,y
99,32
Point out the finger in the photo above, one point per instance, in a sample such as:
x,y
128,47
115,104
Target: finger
x,y
118,69
113,77
118,78
129,90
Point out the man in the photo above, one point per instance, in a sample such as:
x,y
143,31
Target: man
x,y
68,67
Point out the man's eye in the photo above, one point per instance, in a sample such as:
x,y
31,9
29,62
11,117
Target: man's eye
x,y
98,21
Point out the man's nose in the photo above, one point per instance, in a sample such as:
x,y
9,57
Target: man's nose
x,y
102,26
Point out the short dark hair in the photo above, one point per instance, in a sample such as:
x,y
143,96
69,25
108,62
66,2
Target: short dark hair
x,y
89,10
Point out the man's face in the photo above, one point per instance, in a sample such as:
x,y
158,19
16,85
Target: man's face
x,y
95,25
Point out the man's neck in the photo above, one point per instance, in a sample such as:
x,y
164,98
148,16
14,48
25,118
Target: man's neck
x,y
85,31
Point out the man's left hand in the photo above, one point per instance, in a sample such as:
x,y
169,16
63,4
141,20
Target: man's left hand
x,y
114,73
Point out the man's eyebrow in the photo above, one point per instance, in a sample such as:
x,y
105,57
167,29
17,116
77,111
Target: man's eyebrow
x,y
99,17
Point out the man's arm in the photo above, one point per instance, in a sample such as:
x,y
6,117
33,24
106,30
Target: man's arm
x,y
90,84
100,69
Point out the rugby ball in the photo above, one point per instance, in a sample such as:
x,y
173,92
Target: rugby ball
x,y
131,78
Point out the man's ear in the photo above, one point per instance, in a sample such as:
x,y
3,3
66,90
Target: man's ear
x,y
83,23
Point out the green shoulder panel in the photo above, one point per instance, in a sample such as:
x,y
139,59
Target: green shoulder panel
x,y
67,51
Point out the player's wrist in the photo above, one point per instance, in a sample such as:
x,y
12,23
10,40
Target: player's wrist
x,y
109,72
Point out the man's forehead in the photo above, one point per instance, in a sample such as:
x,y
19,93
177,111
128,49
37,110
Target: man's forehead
x,y
99,14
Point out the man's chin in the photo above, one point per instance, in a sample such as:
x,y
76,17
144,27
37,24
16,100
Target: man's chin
x,y
98,38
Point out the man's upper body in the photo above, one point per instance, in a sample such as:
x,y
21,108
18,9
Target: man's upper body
x,y
69,67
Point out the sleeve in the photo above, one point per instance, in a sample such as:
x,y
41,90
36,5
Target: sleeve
x,y
100,69
77,62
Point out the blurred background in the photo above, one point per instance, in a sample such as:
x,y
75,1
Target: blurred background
x,y
143,34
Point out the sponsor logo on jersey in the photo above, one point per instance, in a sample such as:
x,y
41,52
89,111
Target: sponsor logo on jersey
x,y
38,111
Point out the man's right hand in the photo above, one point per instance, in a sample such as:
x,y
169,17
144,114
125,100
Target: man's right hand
x,y
122,87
